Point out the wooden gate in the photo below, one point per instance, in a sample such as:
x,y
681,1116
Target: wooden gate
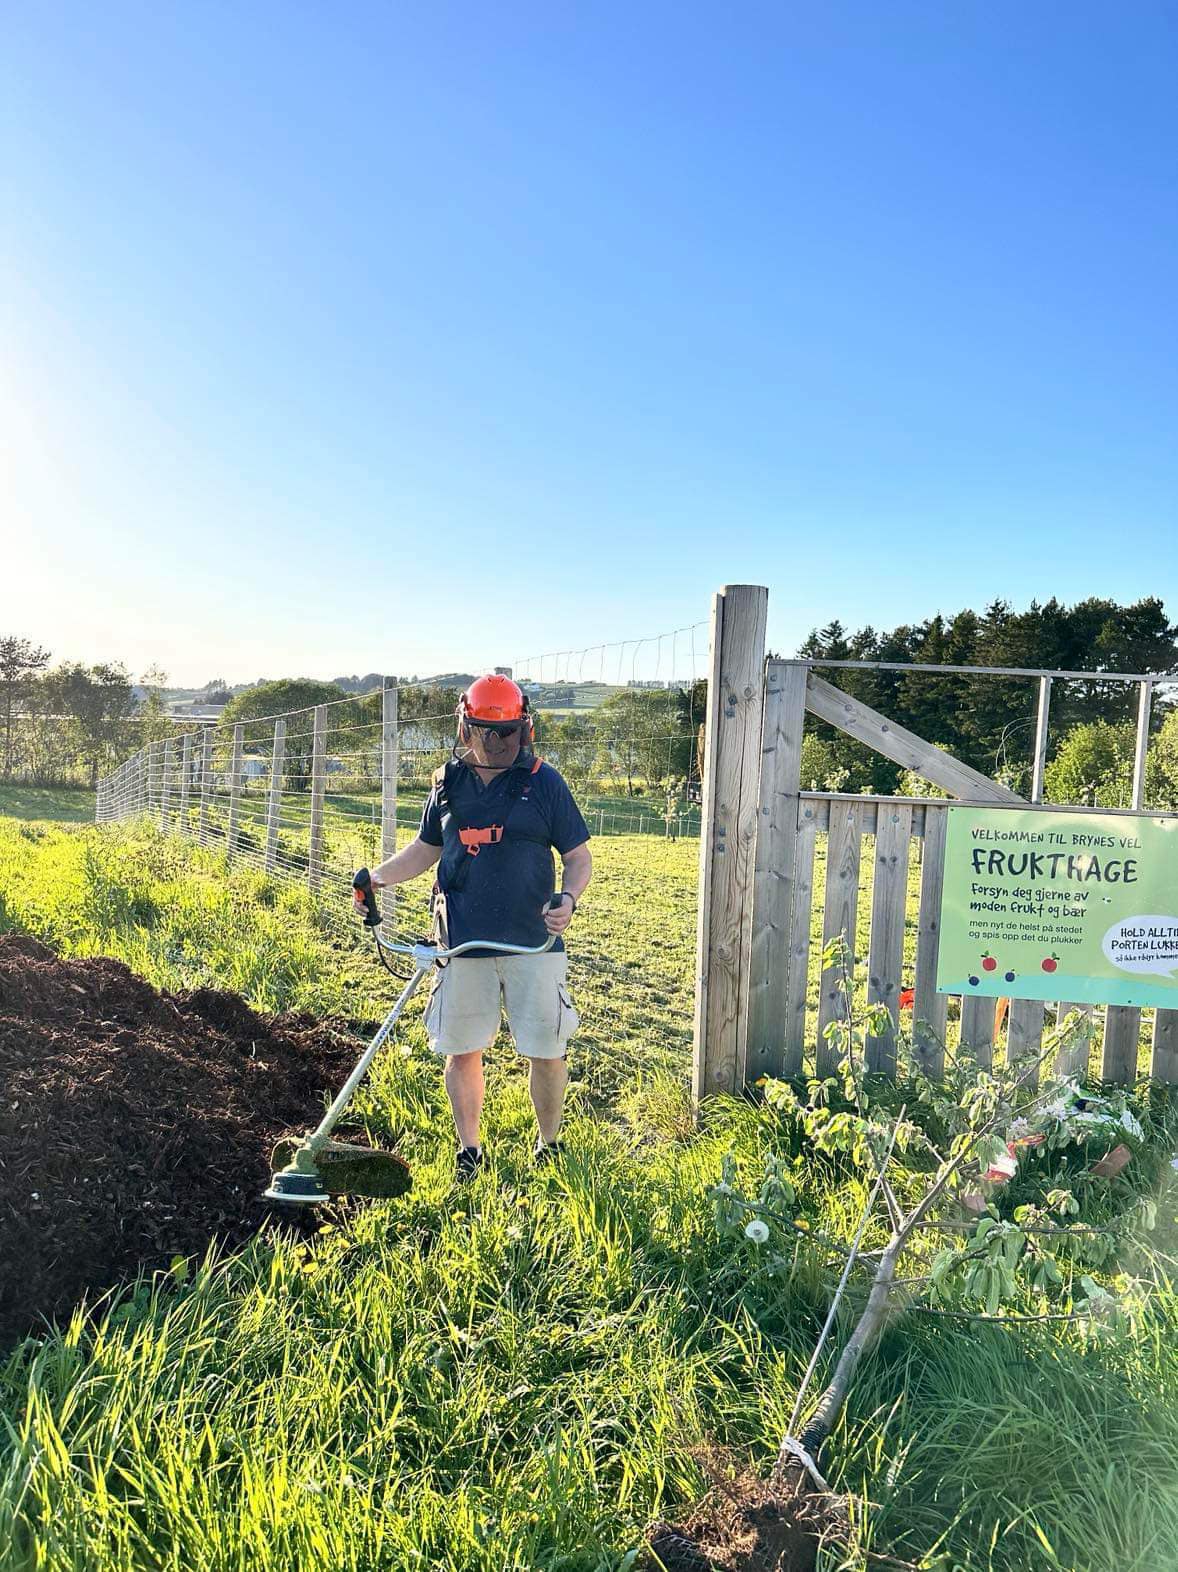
x,y
783,871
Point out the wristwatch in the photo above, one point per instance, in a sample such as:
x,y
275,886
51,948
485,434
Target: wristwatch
x,y
567,895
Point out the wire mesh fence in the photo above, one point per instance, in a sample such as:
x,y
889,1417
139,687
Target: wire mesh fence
x,y
310,795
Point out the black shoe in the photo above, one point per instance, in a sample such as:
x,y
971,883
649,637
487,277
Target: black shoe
x,y
470,1160
547,1152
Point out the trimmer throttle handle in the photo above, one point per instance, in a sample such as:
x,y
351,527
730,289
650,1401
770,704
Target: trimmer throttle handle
x,y
362,884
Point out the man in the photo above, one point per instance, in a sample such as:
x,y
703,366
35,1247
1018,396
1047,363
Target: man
x,y
491,822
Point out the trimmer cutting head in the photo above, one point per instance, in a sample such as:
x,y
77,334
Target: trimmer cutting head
x,y
307,1176
302,1189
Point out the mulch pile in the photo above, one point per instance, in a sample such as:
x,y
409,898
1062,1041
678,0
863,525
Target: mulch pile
x,y
135,1125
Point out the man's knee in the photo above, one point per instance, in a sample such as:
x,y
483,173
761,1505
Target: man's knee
x,y
549,1068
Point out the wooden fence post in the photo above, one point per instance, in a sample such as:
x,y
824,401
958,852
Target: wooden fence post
x,y
274,805
234,788
389,759
1024,1028
318,788
1122,1023
731,801
774,867
165,772
185,779
206,773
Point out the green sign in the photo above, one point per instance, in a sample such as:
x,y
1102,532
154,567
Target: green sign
x,y
1071,906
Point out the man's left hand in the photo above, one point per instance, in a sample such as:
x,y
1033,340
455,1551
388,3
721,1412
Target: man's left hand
x,y
557,918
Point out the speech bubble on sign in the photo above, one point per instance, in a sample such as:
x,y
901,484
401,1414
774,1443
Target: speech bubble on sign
x,y
1144,944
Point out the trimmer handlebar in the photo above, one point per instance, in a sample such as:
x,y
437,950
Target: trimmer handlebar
x,y
362,884
426,955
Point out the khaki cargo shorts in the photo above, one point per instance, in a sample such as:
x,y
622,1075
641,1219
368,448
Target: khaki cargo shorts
x,y
470,992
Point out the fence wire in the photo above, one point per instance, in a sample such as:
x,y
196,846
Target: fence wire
x,y
311,795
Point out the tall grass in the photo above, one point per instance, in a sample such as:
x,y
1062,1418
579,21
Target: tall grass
x,y
517,1376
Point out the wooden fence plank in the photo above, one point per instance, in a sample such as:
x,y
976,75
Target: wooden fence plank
x,y
840,915
1164,1062
1118,1059
1024,1032
889,900
799,946
900,745
977,1028
773,868
1072,1058
930,1009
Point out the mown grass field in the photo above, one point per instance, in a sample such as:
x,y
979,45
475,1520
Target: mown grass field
x,y
518,1376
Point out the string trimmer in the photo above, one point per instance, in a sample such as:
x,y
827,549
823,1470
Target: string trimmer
x,y
311,1168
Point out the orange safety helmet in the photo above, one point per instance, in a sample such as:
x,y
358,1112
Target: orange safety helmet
x,y
494,700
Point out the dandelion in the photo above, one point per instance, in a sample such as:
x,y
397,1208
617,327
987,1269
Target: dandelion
x,y
757,1231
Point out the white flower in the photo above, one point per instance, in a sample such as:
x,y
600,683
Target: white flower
x,y
757,1231
722,1189
1174,1164
1018,1128
1132,1124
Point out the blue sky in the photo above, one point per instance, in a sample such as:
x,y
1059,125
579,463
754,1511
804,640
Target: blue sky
x,y
414,337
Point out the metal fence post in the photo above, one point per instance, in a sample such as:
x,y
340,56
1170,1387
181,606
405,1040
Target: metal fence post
x,y
318,786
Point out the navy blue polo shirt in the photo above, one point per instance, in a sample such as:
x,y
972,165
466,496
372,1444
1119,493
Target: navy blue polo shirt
x,y
496,869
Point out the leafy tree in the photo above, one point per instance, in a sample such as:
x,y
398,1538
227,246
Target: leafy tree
x,y
100,702
643,737
20,661
1161,769
572,744
989,721
1093,767
296,698
152,716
